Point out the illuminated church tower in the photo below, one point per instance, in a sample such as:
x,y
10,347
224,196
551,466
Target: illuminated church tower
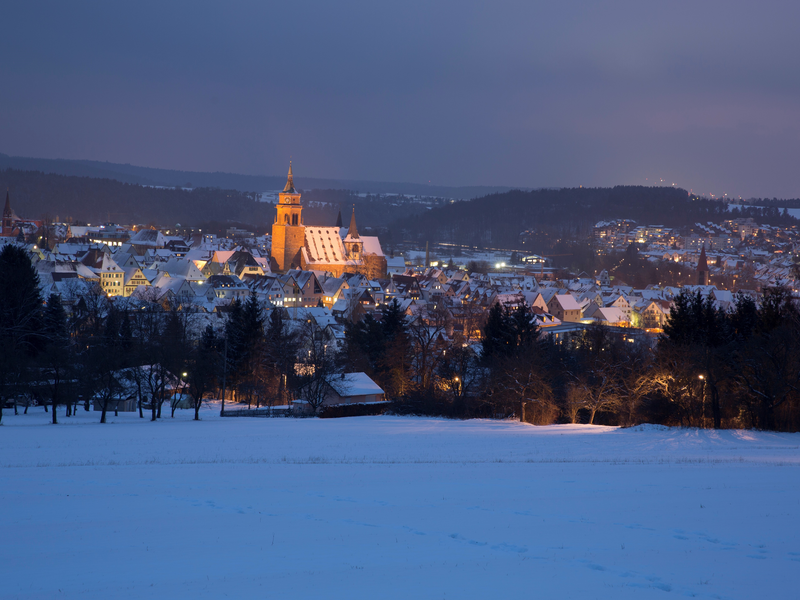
x,y
288,231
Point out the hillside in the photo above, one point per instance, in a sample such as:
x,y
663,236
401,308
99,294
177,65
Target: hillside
x,y
498,219
35,195
232,181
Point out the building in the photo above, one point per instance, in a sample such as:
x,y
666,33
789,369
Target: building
x,y
9,218
14,226
565,308
296,245
353,388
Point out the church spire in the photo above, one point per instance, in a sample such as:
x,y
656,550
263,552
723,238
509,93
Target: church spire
x,y
702,268
8,217
353,231
702,262
289,189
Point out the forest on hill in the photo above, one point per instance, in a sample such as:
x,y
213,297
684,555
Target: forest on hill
x,y
35,195
550,215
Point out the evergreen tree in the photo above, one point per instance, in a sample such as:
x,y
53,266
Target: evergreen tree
x,y
56,360
700,332
202,368
125,332
744,318
20,301
280,353
496,334
20,320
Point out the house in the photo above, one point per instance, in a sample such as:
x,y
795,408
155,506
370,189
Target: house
x,y
606,315
133,279
565,308
112,277
228,287
353,388
618,300
654,313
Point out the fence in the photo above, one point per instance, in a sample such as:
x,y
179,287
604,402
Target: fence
x,y
260,412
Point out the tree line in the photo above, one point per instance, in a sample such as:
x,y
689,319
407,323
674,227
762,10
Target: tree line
x,y
35,194
498,220
103,352
710,367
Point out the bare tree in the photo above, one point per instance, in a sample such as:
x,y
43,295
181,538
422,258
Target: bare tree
x,y
428,333
598,388
203,365
316,367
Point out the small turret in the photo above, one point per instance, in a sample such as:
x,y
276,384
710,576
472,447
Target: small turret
x,y
352,232
352,242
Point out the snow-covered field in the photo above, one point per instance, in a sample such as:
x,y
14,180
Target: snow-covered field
x,y
388,507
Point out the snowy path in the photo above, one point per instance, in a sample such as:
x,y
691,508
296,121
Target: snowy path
x,y
383,507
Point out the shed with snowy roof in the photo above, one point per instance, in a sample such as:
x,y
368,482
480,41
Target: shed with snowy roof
x,y
353,388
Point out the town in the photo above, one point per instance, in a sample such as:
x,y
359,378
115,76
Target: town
x,y
399,300
324,286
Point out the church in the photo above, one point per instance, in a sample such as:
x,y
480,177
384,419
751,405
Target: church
x,y
335,250
10,219
15,227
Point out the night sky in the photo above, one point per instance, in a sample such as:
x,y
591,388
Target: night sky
x,y
702,93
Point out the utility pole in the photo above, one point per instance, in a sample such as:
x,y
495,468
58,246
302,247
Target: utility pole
x,y
224,376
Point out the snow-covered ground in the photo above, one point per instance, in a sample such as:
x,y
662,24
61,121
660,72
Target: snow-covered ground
x,y
794,212
389,507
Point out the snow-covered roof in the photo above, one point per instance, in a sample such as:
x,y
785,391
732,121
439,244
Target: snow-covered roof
x,y
396,262
148,237
567,302
354,384
371,245
324,244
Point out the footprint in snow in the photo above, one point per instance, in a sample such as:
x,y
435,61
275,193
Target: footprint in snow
x,y
510,548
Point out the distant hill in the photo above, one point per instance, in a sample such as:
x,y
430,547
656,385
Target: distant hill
x,y
35,195
497,220
231,181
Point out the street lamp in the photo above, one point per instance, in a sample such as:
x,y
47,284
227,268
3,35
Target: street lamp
x,y
703,397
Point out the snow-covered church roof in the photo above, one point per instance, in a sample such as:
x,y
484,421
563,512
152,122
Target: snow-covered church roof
x,y
324,244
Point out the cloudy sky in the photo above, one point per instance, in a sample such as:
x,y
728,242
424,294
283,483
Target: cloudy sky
x,y
702,93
